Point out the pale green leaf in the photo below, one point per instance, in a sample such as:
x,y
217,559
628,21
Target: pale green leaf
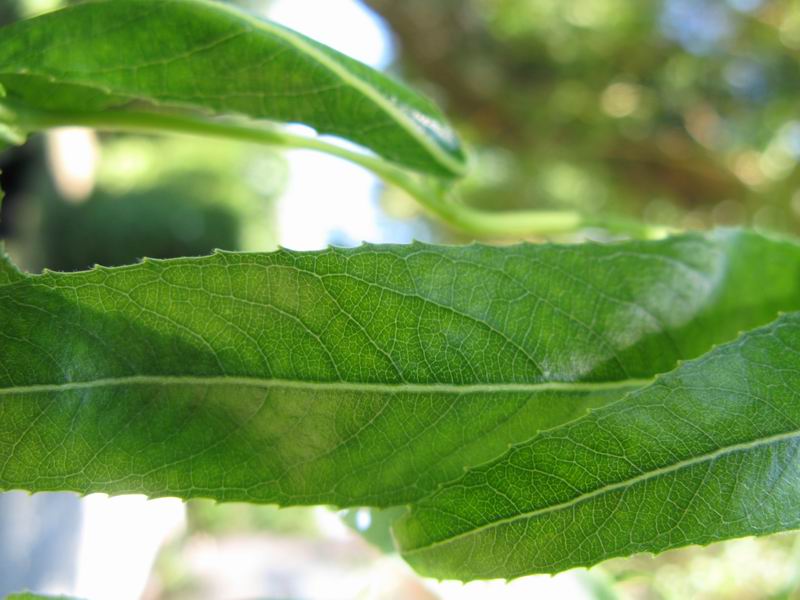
x,y
708,452
207,56
350,377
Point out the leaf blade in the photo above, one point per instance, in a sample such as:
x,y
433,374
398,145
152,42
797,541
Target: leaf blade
x,y
265,70
706,453
350,377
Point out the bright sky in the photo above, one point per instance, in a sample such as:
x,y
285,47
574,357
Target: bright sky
x,y
341,24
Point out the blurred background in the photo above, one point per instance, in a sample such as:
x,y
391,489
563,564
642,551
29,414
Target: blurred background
x,y
682,113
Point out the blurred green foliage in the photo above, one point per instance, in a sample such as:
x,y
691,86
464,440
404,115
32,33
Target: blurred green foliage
x,y
164,198
164,221
374,525
206,516
680,112
149,196
745,569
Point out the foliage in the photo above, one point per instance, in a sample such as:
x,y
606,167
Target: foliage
x,y
679,112
537,407
694,457
324,90
211,204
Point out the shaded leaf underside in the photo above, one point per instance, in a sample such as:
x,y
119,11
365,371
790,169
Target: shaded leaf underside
x,y
350,377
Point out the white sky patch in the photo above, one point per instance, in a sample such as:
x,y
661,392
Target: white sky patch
x,y
73,154
344,25
120,538
328,200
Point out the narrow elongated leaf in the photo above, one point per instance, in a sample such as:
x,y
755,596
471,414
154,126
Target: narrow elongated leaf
x,y
708,452
350,377
205,55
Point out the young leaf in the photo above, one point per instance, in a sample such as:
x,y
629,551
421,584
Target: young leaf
x,y
708,452
350,377
205,55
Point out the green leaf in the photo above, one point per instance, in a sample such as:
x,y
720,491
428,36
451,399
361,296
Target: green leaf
x,y
214,58
350,377
708,452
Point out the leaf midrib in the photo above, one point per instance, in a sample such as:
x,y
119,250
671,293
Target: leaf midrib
x,y
619,485
339,386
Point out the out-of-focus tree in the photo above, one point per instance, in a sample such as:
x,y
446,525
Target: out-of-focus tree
x,y
683,112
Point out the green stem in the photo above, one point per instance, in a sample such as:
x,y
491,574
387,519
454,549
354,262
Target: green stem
x,y
431,194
